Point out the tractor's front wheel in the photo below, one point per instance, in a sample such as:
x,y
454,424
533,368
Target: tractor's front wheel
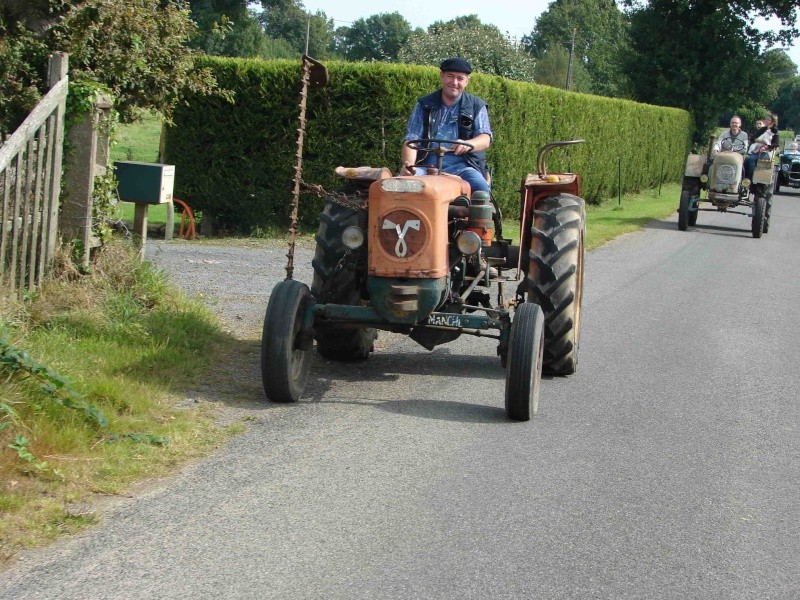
x,y
285,349
555,277
335,283
767,211
524,366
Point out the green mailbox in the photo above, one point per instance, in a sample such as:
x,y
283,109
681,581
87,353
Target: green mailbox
x,y
144,183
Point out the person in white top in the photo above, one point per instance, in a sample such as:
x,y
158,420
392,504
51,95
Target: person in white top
x,y
732,140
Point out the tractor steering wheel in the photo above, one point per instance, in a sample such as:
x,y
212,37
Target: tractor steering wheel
x,y
437,147
732,145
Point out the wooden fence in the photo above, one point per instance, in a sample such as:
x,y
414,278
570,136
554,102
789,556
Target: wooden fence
x,y
30,186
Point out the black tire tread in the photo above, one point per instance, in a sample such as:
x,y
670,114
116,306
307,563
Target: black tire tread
x,y
523,371
683,211
759,209
331,286
288,301
555,256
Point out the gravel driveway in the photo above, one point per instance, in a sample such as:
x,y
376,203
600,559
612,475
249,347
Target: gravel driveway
x,y
233,277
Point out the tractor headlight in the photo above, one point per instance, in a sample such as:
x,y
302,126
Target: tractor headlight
x,y
704,178
468,243
745,183
352,237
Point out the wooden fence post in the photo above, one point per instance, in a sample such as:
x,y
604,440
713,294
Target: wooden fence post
x,y
57,70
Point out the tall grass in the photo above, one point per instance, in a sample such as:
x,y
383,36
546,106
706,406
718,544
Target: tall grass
x,y
88,368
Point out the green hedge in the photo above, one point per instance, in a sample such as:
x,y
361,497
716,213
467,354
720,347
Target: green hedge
x,y
236,161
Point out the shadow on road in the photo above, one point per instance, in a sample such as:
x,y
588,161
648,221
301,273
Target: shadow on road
x,y
235,381
445,410
391,366
703,228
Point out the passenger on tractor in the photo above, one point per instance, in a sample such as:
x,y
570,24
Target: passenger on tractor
x,y
451,113
734,139
764,139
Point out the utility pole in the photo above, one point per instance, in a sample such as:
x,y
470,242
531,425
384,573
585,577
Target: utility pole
x,y
569,64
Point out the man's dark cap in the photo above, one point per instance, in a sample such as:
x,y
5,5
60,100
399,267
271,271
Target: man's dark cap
x,y
459,65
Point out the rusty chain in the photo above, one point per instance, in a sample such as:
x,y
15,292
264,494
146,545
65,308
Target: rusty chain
x,y
355,201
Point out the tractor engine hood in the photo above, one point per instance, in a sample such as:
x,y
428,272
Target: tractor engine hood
x,y
725,173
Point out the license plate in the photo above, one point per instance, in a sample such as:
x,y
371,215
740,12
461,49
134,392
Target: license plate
x,y
446,320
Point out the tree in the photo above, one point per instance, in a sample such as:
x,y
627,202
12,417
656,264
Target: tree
x,y
378,37
600,39
289,20
464,22
484,46
551,69
227,28
787,104
704,56
135,48
23,57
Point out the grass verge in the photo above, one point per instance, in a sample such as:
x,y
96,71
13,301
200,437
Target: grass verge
x,y
615,217
89,370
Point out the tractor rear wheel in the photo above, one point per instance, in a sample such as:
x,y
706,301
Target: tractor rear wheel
x,y
285,356
690,189
337,285
767,211
524,370
683,211
759,210
555,277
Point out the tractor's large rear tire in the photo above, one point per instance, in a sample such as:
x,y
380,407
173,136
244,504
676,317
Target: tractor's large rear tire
x,y
524,368
337,285
683,211
555,277
693,217
686,217
285,357
759,211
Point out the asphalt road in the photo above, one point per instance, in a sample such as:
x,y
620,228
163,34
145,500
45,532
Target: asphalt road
x,y
667,467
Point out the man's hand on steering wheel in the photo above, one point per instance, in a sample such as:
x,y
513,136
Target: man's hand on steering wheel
x,y
460,147
438,147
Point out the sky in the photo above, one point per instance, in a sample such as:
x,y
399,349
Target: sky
x,y
513,17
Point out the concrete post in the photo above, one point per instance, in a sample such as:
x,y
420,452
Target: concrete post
x,y
87,159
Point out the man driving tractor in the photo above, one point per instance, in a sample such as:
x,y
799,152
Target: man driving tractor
x,y
734,139
451,113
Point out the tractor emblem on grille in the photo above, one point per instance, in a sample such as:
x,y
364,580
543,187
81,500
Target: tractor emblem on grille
x,y
402,233
726,174
401,248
